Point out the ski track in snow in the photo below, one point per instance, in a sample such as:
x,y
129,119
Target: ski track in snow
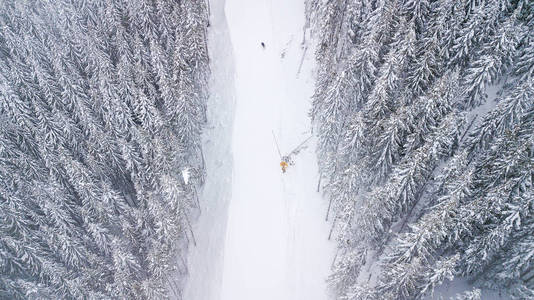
x,y
270,241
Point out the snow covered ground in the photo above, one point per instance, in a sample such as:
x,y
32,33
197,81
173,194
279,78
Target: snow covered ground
x,y
206,259
275,242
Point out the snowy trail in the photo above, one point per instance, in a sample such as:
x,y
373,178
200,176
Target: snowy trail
x,y
260,235
276,246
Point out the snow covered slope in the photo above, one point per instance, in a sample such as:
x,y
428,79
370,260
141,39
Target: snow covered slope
x,y
206,259
276,243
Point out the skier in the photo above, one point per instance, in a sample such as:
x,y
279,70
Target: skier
x,y
284,165
287,160
263,45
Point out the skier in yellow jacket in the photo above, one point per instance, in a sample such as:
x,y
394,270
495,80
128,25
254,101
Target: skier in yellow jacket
x,y
286,162
284,166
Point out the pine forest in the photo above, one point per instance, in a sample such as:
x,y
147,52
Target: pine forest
x,y
425,116
102,105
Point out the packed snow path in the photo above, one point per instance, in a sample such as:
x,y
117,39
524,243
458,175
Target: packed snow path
x,y
276,246
276,243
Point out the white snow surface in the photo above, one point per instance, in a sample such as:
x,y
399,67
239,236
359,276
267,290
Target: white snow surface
x,y
186,175
206,258
261,235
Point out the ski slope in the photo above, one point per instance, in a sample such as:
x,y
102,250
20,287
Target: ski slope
x,y
275,242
